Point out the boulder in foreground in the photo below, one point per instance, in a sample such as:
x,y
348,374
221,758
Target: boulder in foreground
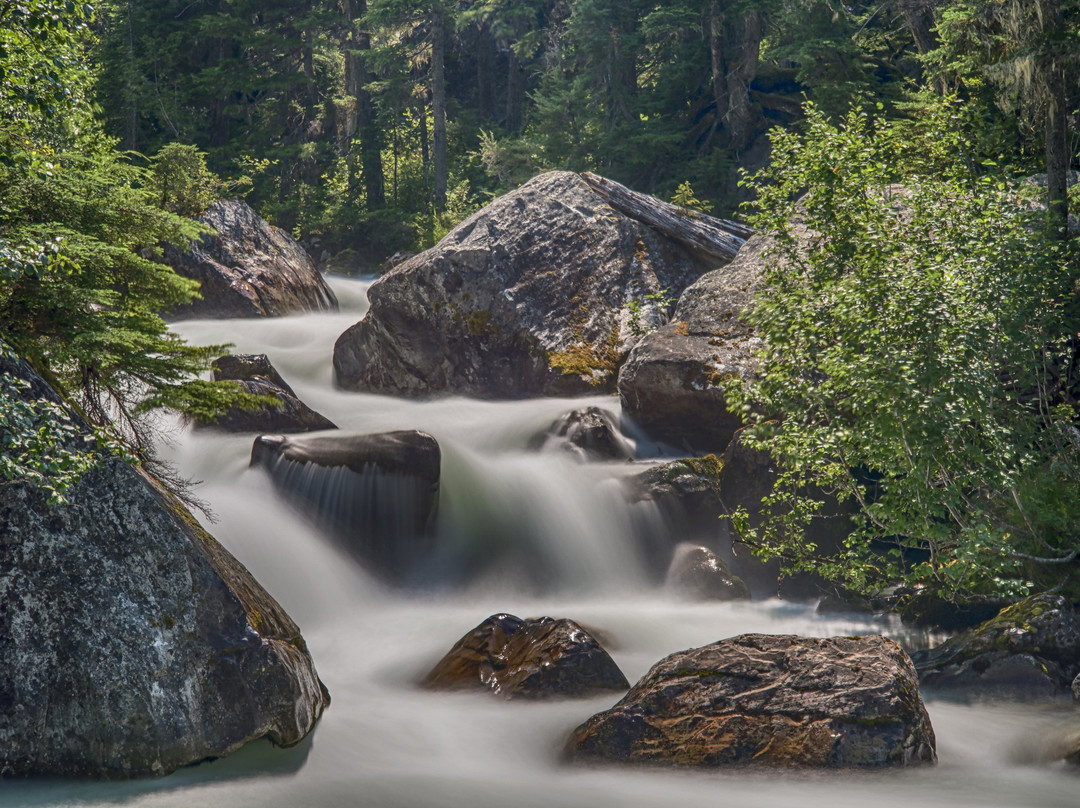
x,y
248,268
769,700
535,294
131,642
533,658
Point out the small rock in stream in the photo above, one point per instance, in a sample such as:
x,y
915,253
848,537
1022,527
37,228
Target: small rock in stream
x,y
534,658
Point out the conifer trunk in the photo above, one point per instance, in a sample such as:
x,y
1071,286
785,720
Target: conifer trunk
x,y
363,121
438,102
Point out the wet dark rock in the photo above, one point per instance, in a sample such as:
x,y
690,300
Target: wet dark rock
x,y
532,658
529,296
1030,650
131,642
926,610
248,268
697,573
255,374
672,383
746,476
768,700
378,494
836,600
591,434
687,492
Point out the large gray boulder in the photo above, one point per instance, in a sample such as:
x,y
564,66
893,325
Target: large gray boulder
x,y
1030,650
534,658
672,383
529,296
131,642
248,268
769,700
377,494
284,412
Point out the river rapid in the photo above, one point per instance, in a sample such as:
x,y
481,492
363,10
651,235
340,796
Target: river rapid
x,y
561,528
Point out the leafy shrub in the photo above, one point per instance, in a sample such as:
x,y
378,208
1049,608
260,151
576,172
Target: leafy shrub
x,y
914,333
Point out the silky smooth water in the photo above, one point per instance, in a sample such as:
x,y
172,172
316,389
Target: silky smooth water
x,y
563,536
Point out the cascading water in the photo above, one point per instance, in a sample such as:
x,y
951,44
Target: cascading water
x,y
523,532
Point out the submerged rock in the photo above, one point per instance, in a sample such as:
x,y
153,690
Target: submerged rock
x,y
255,374
697,573
248,268
769,700
131,642
591,434
1030,650
529,296
533,658
378,494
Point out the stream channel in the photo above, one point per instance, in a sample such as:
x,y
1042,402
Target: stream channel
x,y
562,528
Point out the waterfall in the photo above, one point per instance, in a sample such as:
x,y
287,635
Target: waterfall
x,y
519,531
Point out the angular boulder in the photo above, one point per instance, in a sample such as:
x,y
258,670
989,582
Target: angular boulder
x,y
131,642
533,658
769,700
672,383
377,494
697,573
1030,650
255,374
529,296
248,268
591,434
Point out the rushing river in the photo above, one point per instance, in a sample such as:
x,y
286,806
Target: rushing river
x,y
562,528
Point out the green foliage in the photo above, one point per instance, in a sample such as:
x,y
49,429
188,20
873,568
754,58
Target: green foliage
x,y
39,441
915,323
80,289
659,302
684,198
180,181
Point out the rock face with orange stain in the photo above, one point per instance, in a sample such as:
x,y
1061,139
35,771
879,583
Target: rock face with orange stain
x,y
541,292
534,658
769,699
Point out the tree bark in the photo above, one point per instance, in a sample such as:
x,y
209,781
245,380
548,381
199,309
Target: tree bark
x,y
438,102
515,92
720,238
1057,135
735,47
362,121
919,17
622,69
485,73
